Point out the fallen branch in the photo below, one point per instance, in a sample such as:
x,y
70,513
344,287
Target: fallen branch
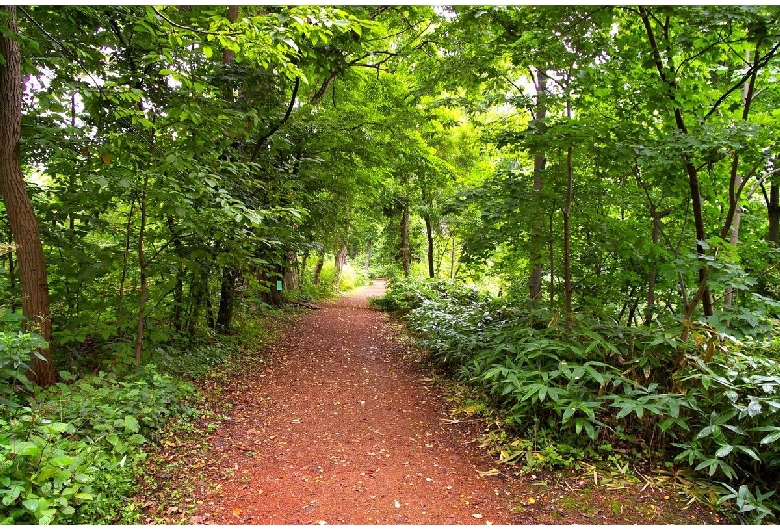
x,y
307,305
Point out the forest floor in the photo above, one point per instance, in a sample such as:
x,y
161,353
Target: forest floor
x,y
346,424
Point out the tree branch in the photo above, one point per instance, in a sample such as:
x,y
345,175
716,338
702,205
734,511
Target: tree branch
x,y
751,71
286,117
187,28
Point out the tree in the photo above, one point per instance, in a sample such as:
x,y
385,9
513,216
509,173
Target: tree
x,y
19,208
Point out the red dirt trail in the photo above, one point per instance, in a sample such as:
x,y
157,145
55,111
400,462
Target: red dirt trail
x,y
343,427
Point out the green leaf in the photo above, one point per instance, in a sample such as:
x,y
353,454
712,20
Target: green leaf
x,y
12,494
706,431
750,452
62,460
770,438
724,450
58,427
30,504
674,408
25,449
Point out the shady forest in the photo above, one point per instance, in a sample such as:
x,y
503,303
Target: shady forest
x,y
578,208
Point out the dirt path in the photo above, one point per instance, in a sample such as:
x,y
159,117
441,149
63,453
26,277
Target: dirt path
x,y
343,427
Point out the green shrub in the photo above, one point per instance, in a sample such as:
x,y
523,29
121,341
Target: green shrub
x,y
611,382
70,452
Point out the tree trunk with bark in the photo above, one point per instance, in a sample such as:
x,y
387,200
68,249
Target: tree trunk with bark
x,y
340,261
227,298
228,56
142,266
657,216
773,211
368,259
406,256
667,75
429,237
734,215
230,273
536,241
567,287
315,280
291,272
19,208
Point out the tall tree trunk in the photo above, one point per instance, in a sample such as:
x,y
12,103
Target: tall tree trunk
x,y
773,210
567,234
291,272
226,298
21,215
567,221
368,259
228,56
657,216
536,240
667,75
406,258
728,298
734,215
452,260
142,264
340,261
551,260
429,235
125,266
315,280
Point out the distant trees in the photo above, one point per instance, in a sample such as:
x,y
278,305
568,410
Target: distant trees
x,y
631,140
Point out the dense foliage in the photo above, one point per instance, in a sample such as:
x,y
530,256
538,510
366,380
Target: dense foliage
x,y
718,413
609,173
70,454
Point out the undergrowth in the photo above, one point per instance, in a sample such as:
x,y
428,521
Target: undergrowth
x,y
71,451
77,451
565,394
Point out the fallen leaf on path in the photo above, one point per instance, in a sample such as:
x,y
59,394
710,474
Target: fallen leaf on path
x,y
489,472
